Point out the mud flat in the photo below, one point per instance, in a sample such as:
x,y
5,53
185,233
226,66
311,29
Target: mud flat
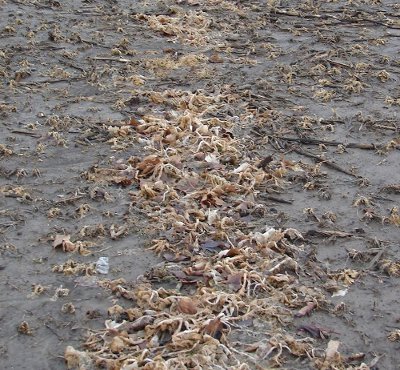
x,y
237,162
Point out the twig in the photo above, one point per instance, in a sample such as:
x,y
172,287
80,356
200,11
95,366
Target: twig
x,y
276,199
290,13
26,133
51,81
324,161
54,332
71,65
328,233
70,199
311,141
378,197
103,249
120,60
94,43
334,62
355,21
394,128
376,259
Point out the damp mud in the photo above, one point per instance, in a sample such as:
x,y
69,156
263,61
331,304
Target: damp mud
x,y
237,162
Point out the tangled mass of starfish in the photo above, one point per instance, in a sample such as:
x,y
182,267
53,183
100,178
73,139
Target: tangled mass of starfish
x,y
231,289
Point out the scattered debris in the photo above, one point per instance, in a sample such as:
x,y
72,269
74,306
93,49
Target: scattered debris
x,y
102,265
24,328
255,144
